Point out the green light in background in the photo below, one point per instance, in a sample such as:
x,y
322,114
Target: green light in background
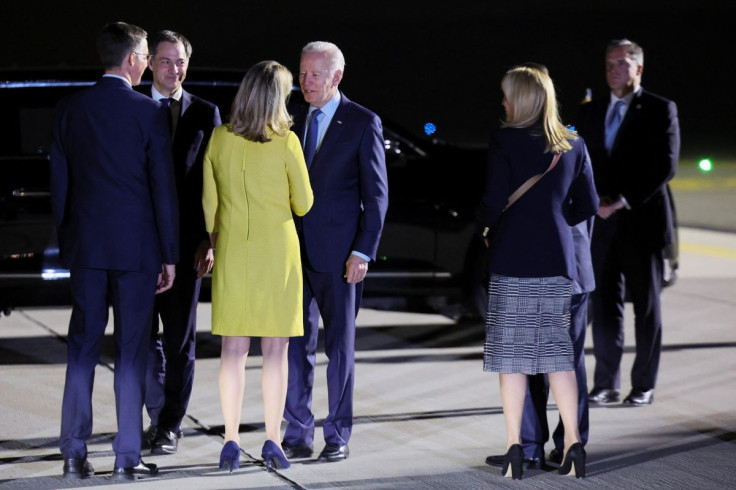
x,y
706,165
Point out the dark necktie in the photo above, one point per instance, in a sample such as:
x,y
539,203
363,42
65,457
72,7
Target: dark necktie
x,y
613,123
310,143
173,106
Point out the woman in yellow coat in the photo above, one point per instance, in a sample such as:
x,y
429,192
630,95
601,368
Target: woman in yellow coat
x,y
254,178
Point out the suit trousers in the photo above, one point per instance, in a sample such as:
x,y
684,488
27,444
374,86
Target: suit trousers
x,y
534,426
131,296
170,374
328,295
623,264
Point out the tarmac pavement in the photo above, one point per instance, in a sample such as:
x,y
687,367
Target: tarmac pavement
x,y
426,415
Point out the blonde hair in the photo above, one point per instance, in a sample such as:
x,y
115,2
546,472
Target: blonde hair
x,y
530,93
260,103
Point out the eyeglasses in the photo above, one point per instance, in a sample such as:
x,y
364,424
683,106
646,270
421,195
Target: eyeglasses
x,y
145,55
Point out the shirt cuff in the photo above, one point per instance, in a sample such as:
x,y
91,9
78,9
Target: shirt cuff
x,y
362,256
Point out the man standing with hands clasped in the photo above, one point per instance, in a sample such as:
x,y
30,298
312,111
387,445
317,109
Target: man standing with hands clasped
x,y
114,204
171,360
344,151
634,141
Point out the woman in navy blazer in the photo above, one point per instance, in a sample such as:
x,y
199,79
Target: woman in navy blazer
x,y
531,256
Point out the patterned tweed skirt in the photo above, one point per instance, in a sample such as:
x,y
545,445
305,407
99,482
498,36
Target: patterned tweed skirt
x,y
527,325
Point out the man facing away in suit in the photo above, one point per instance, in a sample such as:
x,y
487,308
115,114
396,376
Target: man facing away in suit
x,y
634,141
344,151
170,374
114,205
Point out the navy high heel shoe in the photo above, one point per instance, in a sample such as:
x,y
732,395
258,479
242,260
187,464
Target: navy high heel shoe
x,y
274,457
512,467
574,462
230,456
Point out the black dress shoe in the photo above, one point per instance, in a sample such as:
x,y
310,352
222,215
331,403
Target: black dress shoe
x,y
132,473
149,435
532,463
640,397
334,452
604,395
77,468
555,456
296,451
165,443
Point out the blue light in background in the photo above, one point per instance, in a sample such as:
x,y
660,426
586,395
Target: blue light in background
x,y
429,128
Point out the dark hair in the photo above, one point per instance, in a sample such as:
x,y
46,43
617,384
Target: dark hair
x,y
169,37
632,49
116,40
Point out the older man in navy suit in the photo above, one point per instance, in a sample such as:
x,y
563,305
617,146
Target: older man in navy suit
x,y
344,150
634,141
171,362
114,205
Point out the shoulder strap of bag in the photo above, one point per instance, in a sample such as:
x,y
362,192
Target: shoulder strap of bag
x,y
530,182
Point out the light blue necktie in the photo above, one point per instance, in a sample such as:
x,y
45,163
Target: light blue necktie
x,y
613,123
310,143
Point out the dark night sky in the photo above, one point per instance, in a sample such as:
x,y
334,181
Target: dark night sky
x,y
414,63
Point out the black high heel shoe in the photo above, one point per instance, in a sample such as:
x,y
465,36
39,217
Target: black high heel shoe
x,y
230,456
512,467
274,457
574,462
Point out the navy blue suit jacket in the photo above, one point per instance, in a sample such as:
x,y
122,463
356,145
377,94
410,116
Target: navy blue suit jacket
x,y
112,180
350,185
533,237
194,127
643,159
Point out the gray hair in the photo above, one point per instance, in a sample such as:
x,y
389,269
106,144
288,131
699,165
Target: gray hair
x,y
632,49
335,57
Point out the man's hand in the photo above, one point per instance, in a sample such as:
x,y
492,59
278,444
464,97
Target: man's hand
x,y
355,269
608,207
204,258
166,278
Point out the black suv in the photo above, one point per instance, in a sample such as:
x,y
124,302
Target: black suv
x,y
427,250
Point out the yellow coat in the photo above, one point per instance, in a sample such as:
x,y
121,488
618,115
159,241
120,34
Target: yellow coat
x,y
250,190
